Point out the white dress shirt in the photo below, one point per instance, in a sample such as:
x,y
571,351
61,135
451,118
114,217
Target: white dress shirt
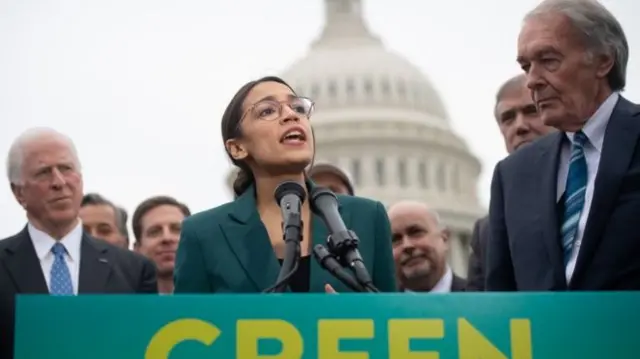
x,y
443,285
43,243
594,129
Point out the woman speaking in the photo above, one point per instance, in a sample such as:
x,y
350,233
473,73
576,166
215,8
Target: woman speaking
x,y
238,247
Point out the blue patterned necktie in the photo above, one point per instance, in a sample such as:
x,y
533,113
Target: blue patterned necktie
x,y
574,194
60,276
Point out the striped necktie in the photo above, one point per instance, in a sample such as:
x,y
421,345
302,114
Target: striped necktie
x,y
60,275
574,194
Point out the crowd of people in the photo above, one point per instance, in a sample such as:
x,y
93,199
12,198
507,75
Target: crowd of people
x,y
563,203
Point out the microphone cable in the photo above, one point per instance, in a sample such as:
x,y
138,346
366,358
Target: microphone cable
x,y
331,264
342,242
289,196
284,280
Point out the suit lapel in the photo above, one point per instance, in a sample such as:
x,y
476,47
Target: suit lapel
x,y
547,209
620,140
24,266
458,284
249,241
95,267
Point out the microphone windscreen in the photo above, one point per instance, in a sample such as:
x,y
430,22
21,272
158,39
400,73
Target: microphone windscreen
x,y
289,187
319,197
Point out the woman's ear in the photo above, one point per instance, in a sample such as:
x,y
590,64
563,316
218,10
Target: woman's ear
x,y
235,149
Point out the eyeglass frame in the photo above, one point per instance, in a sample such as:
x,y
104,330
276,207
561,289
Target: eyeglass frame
x,y
312,105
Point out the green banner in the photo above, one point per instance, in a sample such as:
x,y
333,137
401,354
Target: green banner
x,y
351,326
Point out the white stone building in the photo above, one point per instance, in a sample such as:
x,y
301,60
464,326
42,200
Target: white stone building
x,y
379,117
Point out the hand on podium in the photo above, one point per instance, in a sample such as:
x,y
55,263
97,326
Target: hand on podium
x,y
329,289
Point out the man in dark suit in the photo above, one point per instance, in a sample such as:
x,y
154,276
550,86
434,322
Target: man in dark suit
x,y
420,243
564,209
479,239
52,254
520,124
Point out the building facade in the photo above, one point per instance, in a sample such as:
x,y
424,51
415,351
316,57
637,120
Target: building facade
x,y
379,117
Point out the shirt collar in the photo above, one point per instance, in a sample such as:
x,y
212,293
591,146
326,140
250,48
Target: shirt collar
x,y
595,127
443,285
43,242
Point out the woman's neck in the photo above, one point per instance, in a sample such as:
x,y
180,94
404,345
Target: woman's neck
x,y
266,187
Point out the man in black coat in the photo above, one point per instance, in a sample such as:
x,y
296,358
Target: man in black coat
x,y
52,254
420,243
564,209
520,124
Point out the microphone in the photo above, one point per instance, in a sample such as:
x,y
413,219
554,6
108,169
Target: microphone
x,y
343,243
329,262
289,195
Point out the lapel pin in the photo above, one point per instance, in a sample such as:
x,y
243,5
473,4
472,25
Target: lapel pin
x,y
103,260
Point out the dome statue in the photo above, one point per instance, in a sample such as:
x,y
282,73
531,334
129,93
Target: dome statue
x,y
378,116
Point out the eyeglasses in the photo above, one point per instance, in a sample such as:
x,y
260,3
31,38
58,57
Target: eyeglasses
x,y
270,110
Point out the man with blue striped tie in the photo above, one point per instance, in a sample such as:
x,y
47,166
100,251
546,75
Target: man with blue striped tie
x,y
563,210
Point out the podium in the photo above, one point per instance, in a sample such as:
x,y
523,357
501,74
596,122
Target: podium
x,y
320,326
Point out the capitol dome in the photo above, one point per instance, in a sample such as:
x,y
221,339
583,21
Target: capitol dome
x,y
378,116
365,77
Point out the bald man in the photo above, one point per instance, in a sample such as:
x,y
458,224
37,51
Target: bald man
x,y
420,243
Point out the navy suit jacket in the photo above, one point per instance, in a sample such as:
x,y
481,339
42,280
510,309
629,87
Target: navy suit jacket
x,y
479,238
524,250
104,269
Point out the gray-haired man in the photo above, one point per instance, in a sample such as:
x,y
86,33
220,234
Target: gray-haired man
x,y
53,254
564,209
520,124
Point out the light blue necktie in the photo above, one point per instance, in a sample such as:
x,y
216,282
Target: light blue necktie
x,y
574,194
60,276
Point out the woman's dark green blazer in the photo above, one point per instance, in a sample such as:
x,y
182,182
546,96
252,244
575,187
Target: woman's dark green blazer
x,y
227,249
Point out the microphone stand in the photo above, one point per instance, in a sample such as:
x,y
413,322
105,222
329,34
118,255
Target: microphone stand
x,y
289,196
344,245
292,228
330,263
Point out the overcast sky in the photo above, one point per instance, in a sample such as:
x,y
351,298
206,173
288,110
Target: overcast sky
x,y
140,85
